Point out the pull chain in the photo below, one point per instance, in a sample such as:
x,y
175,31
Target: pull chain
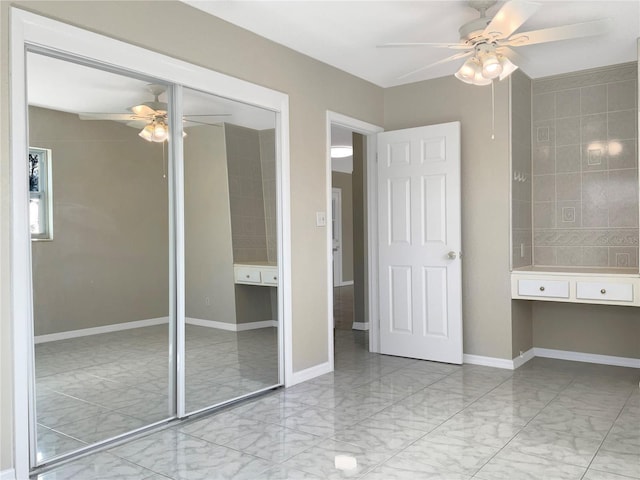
x,y
493,111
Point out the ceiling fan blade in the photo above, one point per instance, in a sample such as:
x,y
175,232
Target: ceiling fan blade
x,y
455,46
509,18
565,32
511,54
444,60
143,110
208,115
187,121
118,117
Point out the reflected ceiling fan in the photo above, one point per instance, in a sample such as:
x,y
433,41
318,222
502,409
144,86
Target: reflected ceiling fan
x,y
488,42
152,116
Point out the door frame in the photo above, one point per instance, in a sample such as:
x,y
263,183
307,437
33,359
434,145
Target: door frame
x,y
29,29
369,130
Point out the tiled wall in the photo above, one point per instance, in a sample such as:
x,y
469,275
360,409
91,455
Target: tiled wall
x,y
246,197
585,168
268,164
521,169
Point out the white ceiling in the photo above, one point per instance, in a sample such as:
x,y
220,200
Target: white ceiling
x,y
73,88
345,33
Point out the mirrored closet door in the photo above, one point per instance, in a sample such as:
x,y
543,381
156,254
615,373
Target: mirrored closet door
x,y
231,270
100,227
122,317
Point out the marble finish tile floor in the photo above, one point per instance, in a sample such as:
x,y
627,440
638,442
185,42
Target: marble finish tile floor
x,y
92,388
550,419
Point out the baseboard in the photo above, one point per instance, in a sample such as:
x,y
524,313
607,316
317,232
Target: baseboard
x,y
549,353
9,474
116,327
345,283
309,373
231,327
488,361
523,358
360,326
587,357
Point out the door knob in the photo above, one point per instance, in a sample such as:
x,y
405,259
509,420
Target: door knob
x,y
452,255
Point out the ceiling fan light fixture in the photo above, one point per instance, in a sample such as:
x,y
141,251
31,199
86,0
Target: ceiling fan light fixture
x,y
147,133
160,131
507,67
468,71
491,67
341,151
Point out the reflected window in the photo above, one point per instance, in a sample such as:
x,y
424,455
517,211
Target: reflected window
x,y
40,211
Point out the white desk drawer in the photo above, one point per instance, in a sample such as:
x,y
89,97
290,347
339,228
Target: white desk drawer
x,y
269,276
621,292
248,275
543,288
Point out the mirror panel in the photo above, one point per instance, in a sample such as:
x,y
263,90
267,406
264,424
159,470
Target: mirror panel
x,y
100,256
231,278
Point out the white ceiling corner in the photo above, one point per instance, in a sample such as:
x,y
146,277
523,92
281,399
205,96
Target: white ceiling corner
x,y
345,33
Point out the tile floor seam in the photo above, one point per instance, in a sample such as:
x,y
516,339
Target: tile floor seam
x,y
604,438
515,435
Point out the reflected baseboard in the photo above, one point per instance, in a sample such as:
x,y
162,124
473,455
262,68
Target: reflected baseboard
x,y
360,326
84,332
231,327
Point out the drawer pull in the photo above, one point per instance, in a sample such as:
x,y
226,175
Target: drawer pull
x,y
603,291
542,289
275,278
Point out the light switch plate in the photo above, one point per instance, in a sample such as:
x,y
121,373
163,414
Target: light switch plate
x,y
321,219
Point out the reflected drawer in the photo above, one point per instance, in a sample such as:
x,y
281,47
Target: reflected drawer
x,y
543,288
248,275
621,292
269,276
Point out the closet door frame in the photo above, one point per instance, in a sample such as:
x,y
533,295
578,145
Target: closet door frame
x,y
31,31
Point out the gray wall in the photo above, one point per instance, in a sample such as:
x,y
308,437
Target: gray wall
x,y
585,166
269,190
209,278
486,289
521,169
359,180
248,226
344,182
599,329
108,261
522,229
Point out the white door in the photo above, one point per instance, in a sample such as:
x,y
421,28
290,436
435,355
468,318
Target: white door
x,y
336,234
419,243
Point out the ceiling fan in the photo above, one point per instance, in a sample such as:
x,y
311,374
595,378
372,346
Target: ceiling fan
x,y
152,116
488,42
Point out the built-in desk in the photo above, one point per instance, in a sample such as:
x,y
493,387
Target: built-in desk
x,y
256,273
605,286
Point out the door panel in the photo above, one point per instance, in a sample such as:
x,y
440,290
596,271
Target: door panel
x,y
419,209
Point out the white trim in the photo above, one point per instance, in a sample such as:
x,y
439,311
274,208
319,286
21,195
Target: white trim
x,y
30,29
84,332
9,474
487,361
520,360
587,357
309,373
523,358
369,130
231,327
360,326
345,283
